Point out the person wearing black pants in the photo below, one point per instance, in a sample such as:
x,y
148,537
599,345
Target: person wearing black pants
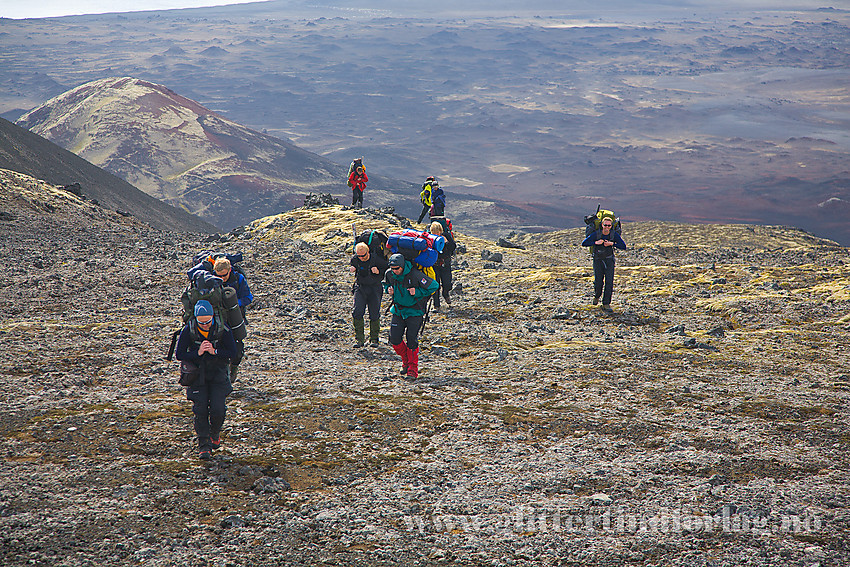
x,y
409,289
443,267
603,241
368,292
209,344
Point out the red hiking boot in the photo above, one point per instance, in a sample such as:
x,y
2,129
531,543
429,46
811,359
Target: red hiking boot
x,y
413,363
402,350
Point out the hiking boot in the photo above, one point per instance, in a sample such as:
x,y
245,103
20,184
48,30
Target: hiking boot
x,y
234,368
595,300
374,333
606,307
413,363
359,332
204,455
215,441
402,350
448,301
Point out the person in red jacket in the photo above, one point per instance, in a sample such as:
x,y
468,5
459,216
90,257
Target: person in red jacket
x,y
357,181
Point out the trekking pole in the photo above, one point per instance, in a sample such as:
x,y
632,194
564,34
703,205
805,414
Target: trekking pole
x,y
427,313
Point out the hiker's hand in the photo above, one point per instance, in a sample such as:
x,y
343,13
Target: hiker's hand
x,y
412,290
599,242
609,243
352,269
206,346
390,290
375,270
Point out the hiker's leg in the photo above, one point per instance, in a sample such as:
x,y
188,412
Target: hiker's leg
x,y
446,276
598,276
218,392
413,325
199,395
396,334
436,296
609,281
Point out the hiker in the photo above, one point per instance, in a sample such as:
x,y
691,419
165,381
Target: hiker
x,y
357,181
438,201
425,197
368,292
209,344
409,289
239,282
604,240
443,266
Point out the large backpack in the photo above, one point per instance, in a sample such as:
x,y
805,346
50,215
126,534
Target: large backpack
x,y
376,240
594,222
438,201
422,248
355,163
208,259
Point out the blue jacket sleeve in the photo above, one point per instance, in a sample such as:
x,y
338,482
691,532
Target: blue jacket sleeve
x,y
618,241
243,292
590,240
184,343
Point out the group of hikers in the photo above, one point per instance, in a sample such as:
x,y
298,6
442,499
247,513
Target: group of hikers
x,y
413,268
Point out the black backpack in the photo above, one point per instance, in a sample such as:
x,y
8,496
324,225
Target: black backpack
x,y
376,240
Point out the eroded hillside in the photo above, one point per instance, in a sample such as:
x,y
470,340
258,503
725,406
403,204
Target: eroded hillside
x,y
703,422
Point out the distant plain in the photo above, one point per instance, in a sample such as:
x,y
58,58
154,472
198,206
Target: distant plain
x,y
697,114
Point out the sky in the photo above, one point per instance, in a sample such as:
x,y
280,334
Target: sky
x,y
53,8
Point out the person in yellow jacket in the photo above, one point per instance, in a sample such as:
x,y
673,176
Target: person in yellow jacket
x,y
425,196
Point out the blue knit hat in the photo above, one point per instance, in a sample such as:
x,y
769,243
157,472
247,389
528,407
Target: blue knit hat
x,y
203,308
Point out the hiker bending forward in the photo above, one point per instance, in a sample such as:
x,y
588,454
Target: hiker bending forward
x,y
209,344
604,240
409,289
368,292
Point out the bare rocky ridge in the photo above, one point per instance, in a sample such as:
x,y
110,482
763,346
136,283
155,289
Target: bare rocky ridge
x,y
704,422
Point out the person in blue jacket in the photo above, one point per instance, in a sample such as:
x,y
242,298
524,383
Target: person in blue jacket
x,y
209,344
409,289
604,240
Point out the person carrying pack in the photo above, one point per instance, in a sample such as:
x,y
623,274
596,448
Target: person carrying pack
x,y
438,201
227,268
443,266
369,268
425,197
207,343
357,179
602,241
409,289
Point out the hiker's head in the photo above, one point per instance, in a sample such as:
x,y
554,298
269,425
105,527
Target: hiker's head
x,y
396,263
436,228
222,268
607,225
359,170
203,312
361,250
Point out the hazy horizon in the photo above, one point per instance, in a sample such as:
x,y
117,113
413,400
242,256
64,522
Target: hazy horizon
x,y
15,9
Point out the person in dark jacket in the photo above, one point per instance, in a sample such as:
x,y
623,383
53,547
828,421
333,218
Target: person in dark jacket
x,y
409,289
443,266
438,201
357,181
604,240
209,344
237,281
368,292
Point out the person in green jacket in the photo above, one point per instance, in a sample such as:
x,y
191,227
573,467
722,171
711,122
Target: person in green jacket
x,y
410,290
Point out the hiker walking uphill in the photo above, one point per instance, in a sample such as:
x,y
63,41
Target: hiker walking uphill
x,y
207,343
602,242
357,179
221,266
409,289
368,292
425,196
443,267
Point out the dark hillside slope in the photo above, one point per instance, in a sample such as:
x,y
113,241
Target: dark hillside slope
x,y
25,152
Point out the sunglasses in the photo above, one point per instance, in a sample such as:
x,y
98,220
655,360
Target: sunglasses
x,y
362,255
396,267
205,322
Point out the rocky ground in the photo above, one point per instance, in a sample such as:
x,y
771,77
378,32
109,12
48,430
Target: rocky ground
x,y
703,422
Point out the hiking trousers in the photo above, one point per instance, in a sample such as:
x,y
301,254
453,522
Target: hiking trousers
x,y
208,404
357,197
368,296
603,278
401,328
443,275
